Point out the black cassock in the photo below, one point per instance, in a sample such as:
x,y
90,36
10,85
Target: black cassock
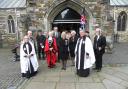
x,y
84,56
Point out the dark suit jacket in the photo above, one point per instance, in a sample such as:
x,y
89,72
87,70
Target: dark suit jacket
x,y
101,42
64,51
57,39
40,39
72,45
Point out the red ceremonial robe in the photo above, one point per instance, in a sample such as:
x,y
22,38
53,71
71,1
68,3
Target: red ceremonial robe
x,y
51,55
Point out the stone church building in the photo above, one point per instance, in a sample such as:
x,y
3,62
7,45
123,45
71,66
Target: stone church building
x,y
109,15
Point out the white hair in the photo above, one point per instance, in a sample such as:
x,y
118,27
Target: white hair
x,y
63,34
73,32
29,32
98,30
50,33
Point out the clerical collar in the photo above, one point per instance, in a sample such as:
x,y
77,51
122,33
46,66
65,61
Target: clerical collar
x,y
83,37
26,42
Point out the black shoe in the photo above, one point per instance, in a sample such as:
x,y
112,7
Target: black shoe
x,y
53,66
58,61
98,70
49,66
62,68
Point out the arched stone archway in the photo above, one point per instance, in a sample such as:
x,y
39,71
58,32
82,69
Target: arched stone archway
x,y
58,6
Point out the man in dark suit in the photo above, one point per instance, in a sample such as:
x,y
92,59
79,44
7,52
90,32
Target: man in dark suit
x,y
99,48
57,35
40,44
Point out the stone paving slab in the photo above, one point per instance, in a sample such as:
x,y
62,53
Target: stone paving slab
x,y
41,85
65,86
90,86
112,85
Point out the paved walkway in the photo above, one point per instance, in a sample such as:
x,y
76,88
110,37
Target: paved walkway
x,y
108,78
119,54
112,76
10,76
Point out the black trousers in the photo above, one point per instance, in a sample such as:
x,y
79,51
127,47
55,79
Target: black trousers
x,y
40,52
64,63
98,61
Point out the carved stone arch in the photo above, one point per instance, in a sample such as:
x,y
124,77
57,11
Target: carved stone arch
x,y
60,5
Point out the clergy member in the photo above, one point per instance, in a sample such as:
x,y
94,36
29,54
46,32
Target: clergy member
x,y
28,59
84,55
51,50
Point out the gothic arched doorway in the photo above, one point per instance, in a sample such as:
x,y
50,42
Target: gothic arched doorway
x,y
68,19
75,7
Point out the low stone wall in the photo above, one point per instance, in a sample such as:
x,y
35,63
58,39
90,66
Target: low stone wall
x,y
8,40
123,36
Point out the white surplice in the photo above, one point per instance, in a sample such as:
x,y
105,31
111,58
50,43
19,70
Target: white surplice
x,y
88,61
25,61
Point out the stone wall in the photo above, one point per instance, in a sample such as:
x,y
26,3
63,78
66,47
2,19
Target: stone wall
x,y
9,39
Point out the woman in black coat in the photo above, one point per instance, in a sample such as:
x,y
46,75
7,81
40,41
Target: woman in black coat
x,y
72,45
64,50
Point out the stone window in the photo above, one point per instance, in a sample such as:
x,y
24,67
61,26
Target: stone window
x,y
121,22
11,25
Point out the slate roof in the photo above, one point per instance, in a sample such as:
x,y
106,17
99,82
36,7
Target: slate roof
x,y
6,4
119,2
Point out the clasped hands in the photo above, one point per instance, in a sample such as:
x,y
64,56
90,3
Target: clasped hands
x,y
29,55
51,49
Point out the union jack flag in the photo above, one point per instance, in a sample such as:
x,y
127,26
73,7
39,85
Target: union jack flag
x,y
83,20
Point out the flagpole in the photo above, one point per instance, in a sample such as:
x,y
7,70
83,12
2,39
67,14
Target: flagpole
x,y
84,16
